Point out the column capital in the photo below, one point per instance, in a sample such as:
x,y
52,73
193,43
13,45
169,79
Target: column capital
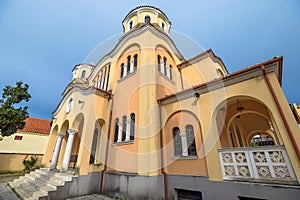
x,y
61,134
72,131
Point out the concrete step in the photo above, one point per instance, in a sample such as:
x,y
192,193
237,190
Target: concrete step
x,y
26,191
56,175
39,186
43,180
20,191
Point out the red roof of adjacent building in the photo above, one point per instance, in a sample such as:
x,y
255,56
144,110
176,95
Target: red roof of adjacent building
x,y
35,125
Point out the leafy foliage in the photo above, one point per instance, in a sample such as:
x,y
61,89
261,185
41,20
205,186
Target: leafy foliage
x,y
29,163
12,117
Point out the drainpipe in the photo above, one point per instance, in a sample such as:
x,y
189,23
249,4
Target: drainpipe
x,y
107,146
162,155
281,112
181,80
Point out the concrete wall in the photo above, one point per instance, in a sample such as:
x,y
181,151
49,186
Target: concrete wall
x,y
230,190
133,186
82,185
14,162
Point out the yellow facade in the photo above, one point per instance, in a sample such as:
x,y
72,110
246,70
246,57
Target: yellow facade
x,y
153,112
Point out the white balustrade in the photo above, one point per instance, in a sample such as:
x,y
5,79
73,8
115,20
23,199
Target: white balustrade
x,y
266,163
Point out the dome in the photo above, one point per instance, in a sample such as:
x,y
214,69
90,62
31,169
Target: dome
x,y
146,14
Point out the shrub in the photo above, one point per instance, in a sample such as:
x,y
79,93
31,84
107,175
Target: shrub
x,y
29,163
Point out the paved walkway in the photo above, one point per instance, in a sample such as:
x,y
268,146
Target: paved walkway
x,y
93,197
6,192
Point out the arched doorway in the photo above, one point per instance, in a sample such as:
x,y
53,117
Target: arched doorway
x,y
250,146
243,118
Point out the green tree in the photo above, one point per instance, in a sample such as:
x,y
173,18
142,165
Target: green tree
x,y
12,115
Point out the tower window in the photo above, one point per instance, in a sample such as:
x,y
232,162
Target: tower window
x,y
128,64
122,70
135,61
147,19
163,26
165,65
158,62
170,72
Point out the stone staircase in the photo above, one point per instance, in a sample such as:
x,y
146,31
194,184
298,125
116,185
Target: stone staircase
x,y
43,184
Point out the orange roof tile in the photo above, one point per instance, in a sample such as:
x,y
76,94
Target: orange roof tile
x,y
35,125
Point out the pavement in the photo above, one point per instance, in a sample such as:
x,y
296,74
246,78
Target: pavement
x,y
92,197
6,193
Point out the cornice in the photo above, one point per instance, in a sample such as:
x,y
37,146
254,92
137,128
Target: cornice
x,y
274,65
202,56
84,91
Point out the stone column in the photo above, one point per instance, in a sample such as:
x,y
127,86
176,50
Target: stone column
x,y
127,131
162,68
67,156
131,67
124,70
168,72
183,144
120,132
56,150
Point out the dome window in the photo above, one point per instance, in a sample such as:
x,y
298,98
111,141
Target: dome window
x,y
147,19
83,74
163,26
130,25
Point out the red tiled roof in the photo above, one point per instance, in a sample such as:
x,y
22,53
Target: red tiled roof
x,y
35,125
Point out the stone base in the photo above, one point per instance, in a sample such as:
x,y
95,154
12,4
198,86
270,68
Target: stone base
x,y
133,186
229,189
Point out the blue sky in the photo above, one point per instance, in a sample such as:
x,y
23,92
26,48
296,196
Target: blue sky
x,y
41,41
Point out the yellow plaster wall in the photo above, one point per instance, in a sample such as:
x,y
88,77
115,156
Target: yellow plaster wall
x,y
200,72
30,143
208,102
183,165
14,162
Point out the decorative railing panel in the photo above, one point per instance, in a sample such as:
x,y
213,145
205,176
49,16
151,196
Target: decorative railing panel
x,y
265,163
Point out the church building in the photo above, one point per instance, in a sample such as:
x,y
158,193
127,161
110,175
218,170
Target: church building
x,y
147,123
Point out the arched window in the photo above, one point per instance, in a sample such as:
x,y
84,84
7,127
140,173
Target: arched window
x,y
124,126
220,73
135,61
94,147
132,125
165,65
130,25
190,140
262,139
116,130
83,74
158,62
147,19
128,64
163,26
69,105
122,69
177,141
170,70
